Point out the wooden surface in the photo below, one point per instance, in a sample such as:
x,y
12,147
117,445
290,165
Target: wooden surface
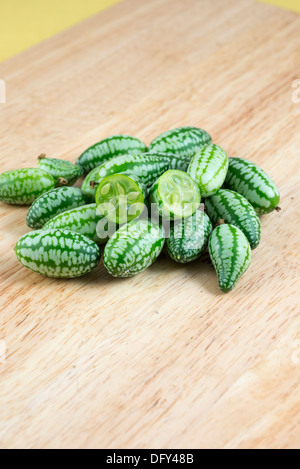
x,y
164,359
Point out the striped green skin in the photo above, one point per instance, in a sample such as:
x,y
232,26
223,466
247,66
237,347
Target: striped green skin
x,y
253,183
61,169
175,161
53,203
121,198
23,186
87,190
233,208
230,253
146,167
58,253
109,148
183,141
133,248
189,238
175,195
209,168
83,220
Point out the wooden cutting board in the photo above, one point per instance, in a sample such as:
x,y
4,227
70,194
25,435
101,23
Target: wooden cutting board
x,y
163,360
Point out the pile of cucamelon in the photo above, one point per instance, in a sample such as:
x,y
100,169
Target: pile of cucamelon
x,y
136,199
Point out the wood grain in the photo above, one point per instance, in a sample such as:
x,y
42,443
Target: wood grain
x,y
163,360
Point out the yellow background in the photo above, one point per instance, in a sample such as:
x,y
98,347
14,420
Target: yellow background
x,y
289,4
24,23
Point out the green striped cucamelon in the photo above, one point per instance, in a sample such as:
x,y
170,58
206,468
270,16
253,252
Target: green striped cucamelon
x,y
253,183
109,148
175,161
121,198
84,220
230,253
145,167
64,172
209,168
52,203
175,195
233,208
188,239
58,253
183,141
133,248
23,186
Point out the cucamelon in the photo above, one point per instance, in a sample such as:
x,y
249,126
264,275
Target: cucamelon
x,y
23,186
84,220
109,148
230,253
147,168
64,172
183,141
58,253
253,183
52,203
189,237
233,208
208,168
133,248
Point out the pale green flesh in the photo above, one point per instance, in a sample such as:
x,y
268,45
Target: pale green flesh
x,y
175,195
120,198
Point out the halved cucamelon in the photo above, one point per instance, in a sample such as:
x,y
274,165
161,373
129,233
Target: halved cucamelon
x,y
121,198
133,248
183,141
23,186
189,237
52,203
209,168
58,253
175,195
230,253
109,148
233,208
253,183
64,172
84,220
